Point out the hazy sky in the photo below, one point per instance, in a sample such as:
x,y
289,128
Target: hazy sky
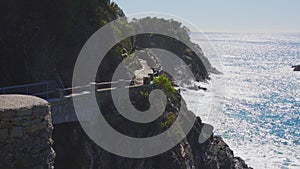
x,y
226,15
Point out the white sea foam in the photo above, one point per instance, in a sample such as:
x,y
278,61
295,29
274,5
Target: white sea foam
x,y
260,119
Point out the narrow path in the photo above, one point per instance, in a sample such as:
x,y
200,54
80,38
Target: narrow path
x,y
140,74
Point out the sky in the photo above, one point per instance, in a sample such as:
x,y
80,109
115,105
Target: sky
x,y
226,15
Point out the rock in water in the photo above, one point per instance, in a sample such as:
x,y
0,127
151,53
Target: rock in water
x,y
296,67
202,88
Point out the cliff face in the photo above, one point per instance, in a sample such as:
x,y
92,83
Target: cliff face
x,y
74,148
40,40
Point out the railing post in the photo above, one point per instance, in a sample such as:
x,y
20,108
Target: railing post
x,y
93,87
121,83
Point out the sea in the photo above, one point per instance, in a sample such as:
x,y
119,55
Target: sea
x,y
255,103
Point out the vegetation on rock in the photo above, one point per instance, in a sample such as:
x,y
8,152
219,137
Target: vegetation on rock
x,y
162,82
170,118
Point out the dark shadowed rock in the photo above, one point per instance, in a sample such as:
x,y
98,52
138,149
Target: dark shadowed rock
x,y
75,150
296,67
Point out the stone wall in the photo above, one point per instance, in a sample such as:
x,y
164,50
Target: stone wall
x,y
62,109
25,133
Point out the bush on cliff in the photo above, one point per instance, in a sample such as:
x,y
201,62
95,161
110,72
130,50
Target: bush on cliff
x,y
162,82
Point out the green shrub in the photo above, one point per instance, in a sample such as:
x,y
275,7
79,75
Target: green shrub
x,y
171,117
162,82
144,93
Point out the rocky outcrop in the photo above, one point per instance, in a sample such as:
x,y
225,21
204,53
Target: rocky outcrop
x,y
25,138
219,155
75,150
40,40
183,47
25,133
192,59
296,67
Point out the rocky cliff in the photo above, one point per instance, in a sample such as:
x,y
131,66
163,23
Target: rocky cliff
x,y
296,67
75,150
40,40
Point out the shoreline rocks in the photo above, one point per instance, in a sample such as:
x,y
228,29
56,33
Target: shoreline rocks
x,y
296,67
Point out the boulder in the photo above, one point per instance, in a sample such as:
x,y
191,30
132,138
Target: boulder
x,y
296,67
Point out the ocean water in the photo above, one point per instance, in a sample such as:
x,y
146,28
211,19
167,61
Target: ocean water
x,y
255,104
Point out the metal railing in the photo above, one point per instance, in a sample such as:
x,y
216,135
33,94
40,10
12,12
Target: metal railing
x,y
43,90
62,92
36,89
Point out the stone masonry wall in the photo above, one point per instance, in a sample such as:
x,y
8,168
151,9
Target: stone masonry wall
x,y
25,133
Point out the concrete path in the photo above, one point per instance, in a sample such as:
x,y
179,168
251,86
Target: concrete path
x,y
140,74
